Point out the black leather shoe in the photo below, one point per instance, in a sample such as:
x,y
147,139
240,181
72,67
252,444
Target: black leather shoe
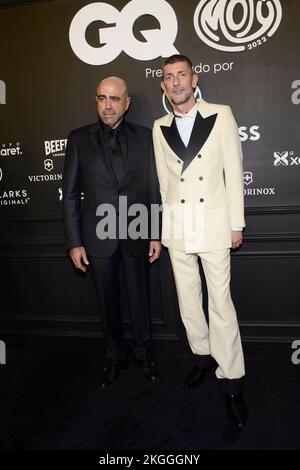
x,y
196,376
236,409
147,369
111,372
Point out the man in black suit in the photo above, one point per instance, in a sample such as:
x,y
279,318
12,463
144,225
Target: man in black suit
x,y
112,160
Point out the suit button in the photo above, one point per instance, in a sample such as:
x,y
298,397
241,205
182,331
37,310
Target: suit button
x,y
201,178
178,161
202,200
199,155
183,201
182,179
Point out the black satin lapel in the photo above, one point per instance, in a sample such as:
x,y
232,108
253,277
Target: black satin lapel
x,y
173,139
200,133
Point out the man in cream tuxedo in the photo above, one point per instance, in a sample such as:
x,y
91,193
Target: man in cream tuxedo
x,y
199,164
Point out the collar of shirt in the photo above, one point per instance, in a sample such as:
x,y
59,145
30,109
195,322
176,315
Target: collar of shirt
x,y
185,124
108,130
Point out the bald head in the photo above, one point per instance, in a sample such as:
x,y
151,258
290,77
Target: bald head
x,y
116,82
112,100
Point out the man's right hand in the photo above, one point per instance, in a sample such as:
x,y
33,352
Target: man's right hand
x,y
78,255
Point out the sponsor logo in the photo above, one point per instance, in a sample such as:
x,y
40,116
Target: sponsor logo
x,y
61,195
295,358
2,352
14,197
11,150
295,97
286,158
2,92
48,166
236,25
226,25
248,179
55,148
251,133
118,34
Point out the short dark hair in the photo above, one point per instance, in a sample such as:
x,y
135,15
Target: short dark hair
x,y
173,59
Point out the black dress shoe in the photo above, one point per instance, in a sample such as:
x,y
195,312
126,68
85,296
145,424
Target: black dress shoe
x,y
196,376
147,369
236,409
111,372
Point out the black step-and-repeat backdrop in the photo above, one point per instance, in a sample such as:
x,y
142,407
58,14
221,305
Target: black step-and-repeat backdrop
x,y
53,53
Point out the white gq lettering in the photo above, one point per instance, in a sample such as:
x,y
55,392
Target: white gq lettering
x,y
296,94
119,36
253,132
2,92
296,354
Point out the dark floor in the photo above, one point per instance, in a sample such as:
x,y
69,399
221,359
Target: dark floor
x,y
50,399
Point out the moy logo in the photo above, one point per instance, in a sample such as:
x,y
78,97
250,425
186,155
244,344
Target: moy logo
x,y
236,25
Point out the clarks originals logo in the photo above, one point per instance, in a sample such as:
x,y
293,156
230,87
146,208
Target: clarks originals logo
x,y
236,25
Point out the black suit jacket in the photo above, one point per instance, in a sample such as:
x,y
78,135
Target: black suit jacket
x,y
87,169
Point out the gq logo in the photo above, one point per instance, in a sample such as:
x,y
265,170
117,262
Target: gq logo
x,y
118,35
234,25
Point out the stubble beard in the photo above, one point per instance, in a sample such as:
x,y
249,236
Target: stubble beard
x,y
181,100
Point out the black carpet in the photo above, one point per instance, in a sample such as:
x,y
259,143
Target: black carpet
x,y
50,399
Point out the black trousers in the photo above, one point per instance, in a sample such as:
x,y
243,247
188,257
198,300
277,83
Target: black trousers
x,y
106,275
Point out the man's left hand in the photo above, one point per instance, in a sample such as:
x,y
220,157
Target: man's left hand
x,y
236,239
154,251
